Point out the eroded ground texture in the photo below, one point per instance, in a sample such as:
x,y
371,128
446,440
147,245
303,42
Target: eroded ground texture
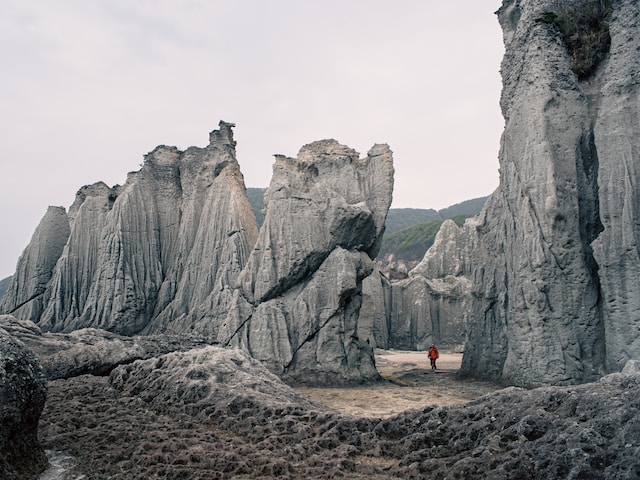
x,y
217,414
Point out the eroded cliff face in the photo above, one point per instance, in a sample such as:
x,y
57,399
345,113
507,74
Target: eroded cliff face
x,y
159,254
299,296
556,268
432,305
25,296
616,138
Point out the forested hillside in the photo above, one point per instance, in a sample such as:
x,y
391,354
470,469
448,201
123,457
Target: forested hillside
x,y
412,243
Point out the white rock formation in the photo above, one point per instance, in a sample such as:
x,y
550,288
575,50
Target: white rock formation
x,y
298,300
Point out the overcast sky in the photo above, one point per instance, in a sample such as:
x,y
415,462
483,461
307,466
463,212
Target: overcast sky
x,y
89,86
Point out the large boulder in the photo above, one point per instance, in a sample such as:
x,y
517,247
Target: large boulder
x,y
23,391
298,299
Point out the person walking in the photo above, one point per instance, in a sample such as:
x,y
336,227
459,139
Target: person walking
x,y
433,355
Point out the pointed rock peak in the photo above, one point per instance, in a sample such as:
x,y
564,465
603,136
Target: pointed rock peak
x,y
326,149
379,149
224,135
98,189
162,156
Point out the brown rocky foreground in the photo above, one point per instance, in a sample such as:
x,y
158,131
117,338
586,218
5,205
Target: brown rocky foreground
x,y
217,414
411,384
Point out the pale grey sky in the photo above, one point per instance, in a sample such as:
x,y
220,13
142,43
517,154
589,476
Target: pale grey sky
x,y
88,87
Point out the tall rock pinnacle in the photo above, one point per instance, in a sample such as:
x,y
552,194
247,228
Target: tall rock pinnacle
x,y
557,267
298,299
159,254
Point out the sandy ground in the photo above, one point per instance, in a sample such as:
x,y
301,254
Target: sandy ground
x,y
411,384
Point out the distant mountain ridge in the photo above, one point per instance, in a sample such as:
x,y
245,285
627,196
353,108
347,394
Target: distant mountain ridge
x,y
411,243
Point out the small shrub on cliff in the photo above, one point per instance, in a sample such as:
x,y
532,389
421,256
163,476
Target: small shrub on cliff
x,y
585,32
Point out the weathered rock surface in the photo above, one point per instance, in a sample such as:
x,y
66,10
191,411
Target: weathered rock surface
x,y
556,268
373,323
25,295
616,128
159,254
299,296
67,294
23,390
432,305
4,286
89,350
217,413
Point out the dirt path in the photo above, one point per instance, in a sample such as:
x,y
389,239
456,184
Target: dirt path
x,y
411,384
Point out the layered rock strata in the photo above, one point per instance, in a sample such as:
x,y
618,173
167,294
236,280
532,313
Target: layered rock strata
x,y
158,254
556,269
299,296
23,390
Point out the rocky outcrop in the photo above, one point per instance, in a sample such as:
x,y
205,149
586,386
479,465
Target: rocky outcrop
x,y
614,149
23,390
432,305
89,350
66,296
4,286
299,296
25,295
556,268
163,253
158,254
216,413
373,322
210,376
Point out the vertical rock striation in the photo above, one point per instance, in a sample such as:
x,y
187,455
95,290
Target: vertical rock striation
x,y
556,268
614,148
25,295
75,271
158,254
298,299
432,305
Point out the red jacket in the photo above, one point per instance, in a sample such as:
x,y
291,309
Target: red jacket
x,y
433,352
